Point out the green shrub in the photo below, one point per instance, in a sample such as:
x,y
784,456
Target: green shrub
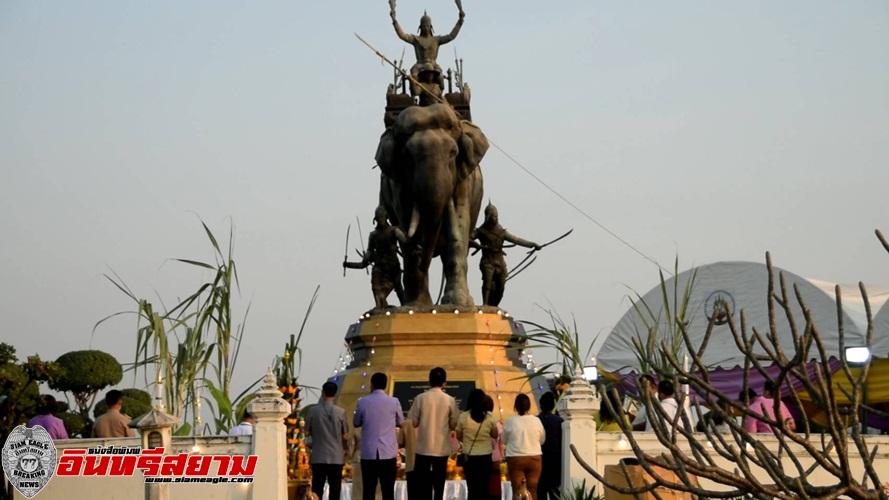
x,y
136,402
581,492
84,374
75,424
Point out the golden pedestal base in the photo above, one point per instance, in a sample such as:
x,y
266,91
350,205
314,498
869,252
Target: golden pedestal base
x,y
473,347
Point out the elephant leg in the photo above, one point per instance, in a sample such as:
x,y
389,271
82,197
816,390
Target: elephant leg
x,y
412,279
457,227
422,276
399,291
416,275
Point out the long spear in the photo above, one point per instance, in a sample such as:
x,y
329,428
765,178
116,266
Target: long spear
x,y
363,250
512,274
404,73
346,256
557,239
517,269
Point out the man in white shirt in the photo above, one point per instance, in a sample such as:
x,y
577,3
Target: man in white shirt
x,y
665,392
245,428
434,414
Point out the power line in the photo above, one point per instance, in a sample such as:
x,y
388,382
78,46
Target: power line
x,y
578,209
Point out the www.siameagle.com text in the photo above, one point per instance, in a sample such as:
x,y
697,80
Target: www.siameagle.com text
x,y
213,480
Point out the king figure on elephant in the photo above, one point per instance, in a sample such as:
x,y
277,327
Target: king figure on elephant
x,y
426,71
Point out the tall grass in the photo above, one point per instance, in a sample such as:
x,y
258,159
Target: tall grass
x,y
564,339
662,336
194,343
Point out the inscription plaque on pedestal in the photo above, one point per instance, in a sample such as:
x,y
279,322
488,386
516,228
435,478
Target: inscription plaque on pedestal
x,y
407,390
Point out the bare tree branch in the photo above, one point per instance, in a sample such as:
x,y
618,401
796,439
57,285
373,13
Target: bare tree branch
x,y
795,454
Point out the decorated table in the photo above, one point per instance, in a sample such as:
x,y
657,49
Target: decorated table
x,y
454,490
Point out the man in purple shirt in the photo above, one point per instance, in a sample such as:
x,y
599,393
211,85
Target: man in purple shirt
x,y
53,425
378,415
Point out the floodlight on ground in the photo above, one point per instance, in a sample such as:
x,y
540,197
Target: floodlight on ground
x,y
857,355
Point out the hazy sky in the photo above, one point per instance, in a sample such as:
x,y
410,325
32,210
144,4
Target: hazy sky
x,y
712,130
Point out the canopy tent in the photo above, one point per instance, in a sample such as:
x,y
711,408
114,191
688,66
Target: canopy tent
x,y
743,286
881,323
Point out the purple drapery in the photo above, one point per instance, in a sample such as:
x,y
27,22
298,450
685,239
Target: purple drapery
x,y
731,381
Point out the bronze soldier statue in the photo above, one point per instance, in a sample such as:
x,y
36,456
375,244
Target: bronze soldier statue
x,y
426,46
382,253
491,236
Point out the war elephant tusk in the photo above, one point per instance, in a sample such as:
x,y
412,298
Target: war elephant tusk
x,y
415,222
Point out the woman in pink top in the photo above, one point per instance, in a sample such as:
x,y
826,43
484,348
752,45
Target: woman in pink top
x,y
765,405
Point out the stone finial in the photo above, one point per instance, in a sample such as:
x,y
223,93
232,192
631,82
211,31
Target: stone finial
x,y
269,387
269,406
579,398
156,418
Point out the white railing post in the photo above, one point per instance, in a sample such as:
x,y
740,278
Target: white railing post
x,y
269,442
578,408
156,427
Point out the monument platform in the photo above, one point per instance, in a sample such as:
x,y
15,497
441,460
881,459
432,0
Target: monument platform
x,y
478,347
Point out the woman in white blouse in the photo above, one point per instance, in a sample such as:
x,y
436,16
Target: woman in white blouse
x,y
523,434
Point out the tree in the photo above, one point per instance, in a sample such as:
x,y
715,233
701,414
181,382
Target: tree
x,y
19,387
838,393
75,424
84,374
20,392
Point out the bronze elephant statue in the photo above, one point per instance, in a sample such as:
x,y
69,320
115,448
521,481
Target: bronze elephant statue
x,y
431,186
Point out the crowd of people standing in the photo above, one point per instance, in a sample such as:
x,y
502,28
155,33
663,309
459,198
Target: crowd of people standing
x,y
530,444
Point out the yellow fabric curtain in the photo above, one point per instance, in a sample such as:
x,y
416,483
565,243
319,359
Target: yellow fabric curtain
x,y
877,383
877,389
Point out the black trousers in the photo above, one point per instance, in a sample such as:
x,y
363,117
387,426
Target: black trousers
x,y
478,474
412,485
431,473
332,474
378,470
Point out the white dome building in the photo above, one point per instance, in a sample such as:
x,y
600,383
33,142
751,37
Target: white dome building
x,y
744,287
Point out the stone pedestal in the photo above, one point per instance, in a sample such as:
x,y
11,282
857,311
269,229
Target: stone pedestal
x,y
475,346
578,408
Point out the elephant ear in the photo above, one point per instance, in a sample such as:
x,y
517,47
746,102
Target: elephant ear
x,y
473,145
385,156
